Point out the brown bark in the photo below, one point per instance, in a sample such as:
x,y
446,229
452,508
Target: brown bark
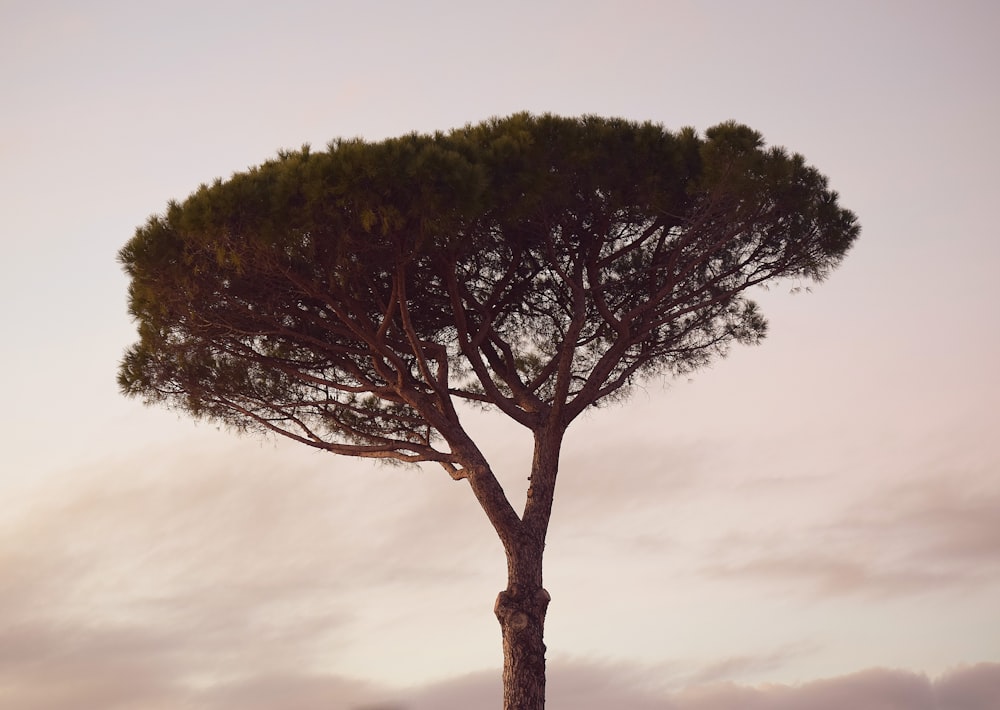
x,y
521,612
521,607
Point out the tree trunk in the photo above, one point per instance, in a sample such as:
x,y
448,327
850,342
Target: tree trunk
x,y
521,612
521,607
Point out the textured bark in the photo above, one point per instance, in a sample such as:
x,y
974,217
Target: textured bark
x,y
521,607
521,612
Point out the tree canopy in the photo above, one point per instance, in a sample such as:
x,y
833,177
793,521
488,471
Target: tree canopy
x,y
532,264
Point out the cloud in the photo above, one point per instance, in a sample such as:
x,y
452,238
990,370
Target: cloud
x,y
581,685
294,692
164,573
241,576
934,532
868,690
967,688
737,666
53,666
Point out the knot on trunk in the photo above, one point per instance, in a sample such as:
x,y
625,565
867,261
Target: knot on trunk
x,y
521,612
518,608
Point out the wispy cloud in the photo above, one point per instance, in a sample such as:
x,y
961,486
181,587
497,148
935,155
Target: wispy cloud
x,y
972,688
240,576
734,667
595,686
936,532
201,590
211,565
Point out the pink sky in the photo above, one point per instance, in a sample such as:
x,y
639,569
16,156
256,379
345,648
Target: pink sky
x,y
811,523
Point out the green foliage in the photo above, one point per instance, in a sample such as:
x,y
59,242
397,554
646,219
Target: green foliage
x,y
535,264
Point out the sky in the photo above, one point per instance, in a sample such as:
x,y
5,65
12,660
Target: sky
x,y
808,524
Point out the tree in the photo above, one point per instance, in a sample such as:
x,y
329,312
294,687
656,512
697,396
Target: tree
x,y
536,265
